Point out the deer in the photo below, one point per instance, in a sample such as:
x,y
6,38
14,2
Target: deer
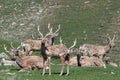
x,y
25,62
4,60
97,50
30,44
107,61
60,51
87,61
8,62
4,55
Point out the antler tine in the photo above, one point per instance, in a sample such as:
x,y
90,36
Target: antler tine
x,y
73,44
32,36
57,29
47,35
5,48
114,37
50,29
11,44
19,47
40,32
60,40
108,36
49,26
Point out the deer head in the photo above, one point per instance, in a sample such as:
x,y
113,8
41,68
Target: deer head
x,y
13,51
111,42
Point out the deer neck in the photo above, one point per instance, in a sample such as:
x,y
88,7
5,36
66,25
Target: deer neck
x,y
19,61
52,40
78,59
43,51
107,48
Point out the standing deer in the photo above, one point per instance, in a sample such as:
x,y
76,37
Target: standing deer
x,y
97,50
60,51
30,44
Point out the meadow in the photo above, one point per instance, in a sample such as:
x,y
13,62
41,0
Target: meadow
x,y
90,21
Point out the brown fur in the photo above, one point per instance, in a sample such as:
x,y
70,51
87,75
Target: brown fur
x,y
86,61
29,45
97,50
60,51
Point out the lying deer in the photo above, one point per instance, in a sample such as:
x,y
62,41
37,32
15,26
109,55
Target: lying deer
x,y
86,61
82,61
5,60
60,51
8,62
30,44
97,50
25,62
107,61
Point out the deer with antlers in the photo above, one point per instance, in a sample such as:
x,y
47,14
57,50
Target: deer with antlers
x,y
23,61
30,44
97,50
60,51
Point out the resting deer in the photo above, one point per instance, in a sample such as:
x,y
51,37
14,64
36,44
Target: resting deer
x,y
86,61
60,51
5,61
30,44
23,61
97,50
107,61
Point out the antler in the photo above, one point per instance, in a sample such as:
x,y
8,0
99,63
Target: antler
x,y
60,40
114,37
73,44
5,48
57,29
40,32
11,44
32,36
50,29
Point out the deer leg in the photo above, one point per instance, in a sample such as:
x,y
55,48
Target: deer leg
x,y
49,65
43,73
67,69
62,62
67,59
103,64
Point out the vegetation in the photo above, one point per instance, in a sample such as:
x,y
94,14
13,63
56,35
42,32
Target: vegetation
x,y
87,20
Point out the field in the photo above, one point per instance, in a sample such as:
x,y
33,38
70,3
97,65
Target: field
x,y
90,21
76,73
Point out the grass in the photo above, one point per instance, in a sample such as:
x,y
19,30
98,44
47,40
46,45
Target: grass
x,y
88,21
84,73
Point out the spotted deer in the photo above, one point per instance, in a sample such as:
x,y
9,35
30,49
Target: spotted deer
x,y
24,62
30,44
97,50
60,51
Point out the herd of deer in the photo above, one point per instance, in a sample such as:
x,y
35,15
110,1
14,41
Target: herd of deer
x,y
87,54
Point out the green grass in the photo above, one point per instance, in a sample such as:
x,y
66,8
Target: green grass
x,y
76,73
88,22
